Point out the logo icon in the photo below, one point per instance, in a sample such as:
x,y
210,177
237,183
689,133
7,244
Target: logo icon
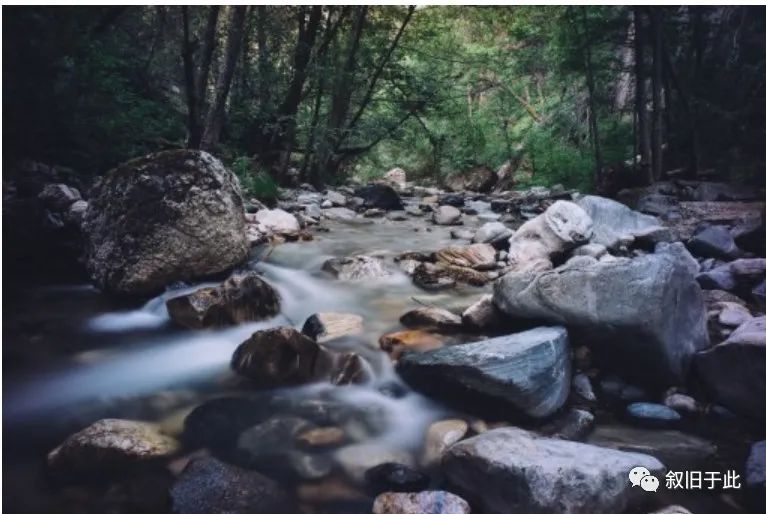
x,y
641,477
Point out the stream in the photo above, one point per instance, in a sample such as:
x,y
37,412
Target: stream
x,y
74,356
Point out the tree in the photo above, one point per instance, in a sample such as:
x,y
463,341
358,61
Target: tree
x,y
215,115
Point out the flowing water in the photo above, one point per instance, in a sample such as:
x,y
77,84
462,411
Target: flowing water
x,y
73,356
79,357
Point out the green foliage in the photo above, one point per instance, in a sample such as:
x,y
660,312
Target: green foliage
x,y
255,182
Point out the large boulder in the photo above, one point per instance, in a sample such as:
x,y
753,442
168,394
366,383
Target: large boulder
x,y
110,445
734,372
380,196
241,298
511,470
713,241
529,372
639,314
614,223
168,216
562,226
209,485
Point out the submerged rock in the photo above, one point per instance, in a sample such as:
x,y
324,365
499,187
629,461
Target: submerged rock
x,y
392,476
209,485
529,371
360,267
239,299
643,313
279,357
511,470
166,217
326,326
426,502
109,445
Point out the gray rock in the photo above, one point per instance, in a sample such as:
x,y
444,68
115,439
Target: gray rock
x,y
279,357
326,326
396,177
426,502
642,313
482,315
337,199
209,485
461,233
582,386
166,217
682,403
759,294
657,204
613,222
572,425
529,371
59,197
594,250
241,298
353,269
732,314
440,436
652,415
276,221
734,372
755,474
431,317
339,214
380,196
479,256
561,227
713,241
77,211
394,477
446,215
313,210
492,232
615,389
109,445
677,450
511,470
414,210
678,250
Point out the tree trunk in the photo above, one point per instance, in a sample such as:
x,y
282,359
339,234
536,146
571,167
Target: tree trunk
x,y
642,116
208,48
214,121
656,17
591,99
193,124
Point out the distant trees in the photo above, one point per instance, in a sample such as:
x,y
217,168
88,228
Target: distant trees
x,y
559,94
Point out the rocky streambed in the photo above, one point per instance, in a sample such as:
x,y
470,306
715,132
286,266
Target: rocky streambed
x,y
390,348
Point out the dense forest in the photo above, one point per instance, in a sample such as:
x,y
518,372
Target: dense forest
x,y
325,91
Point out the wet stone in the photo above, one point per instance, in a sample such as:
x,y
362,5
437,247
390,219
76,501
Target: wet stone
x,y
393,476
